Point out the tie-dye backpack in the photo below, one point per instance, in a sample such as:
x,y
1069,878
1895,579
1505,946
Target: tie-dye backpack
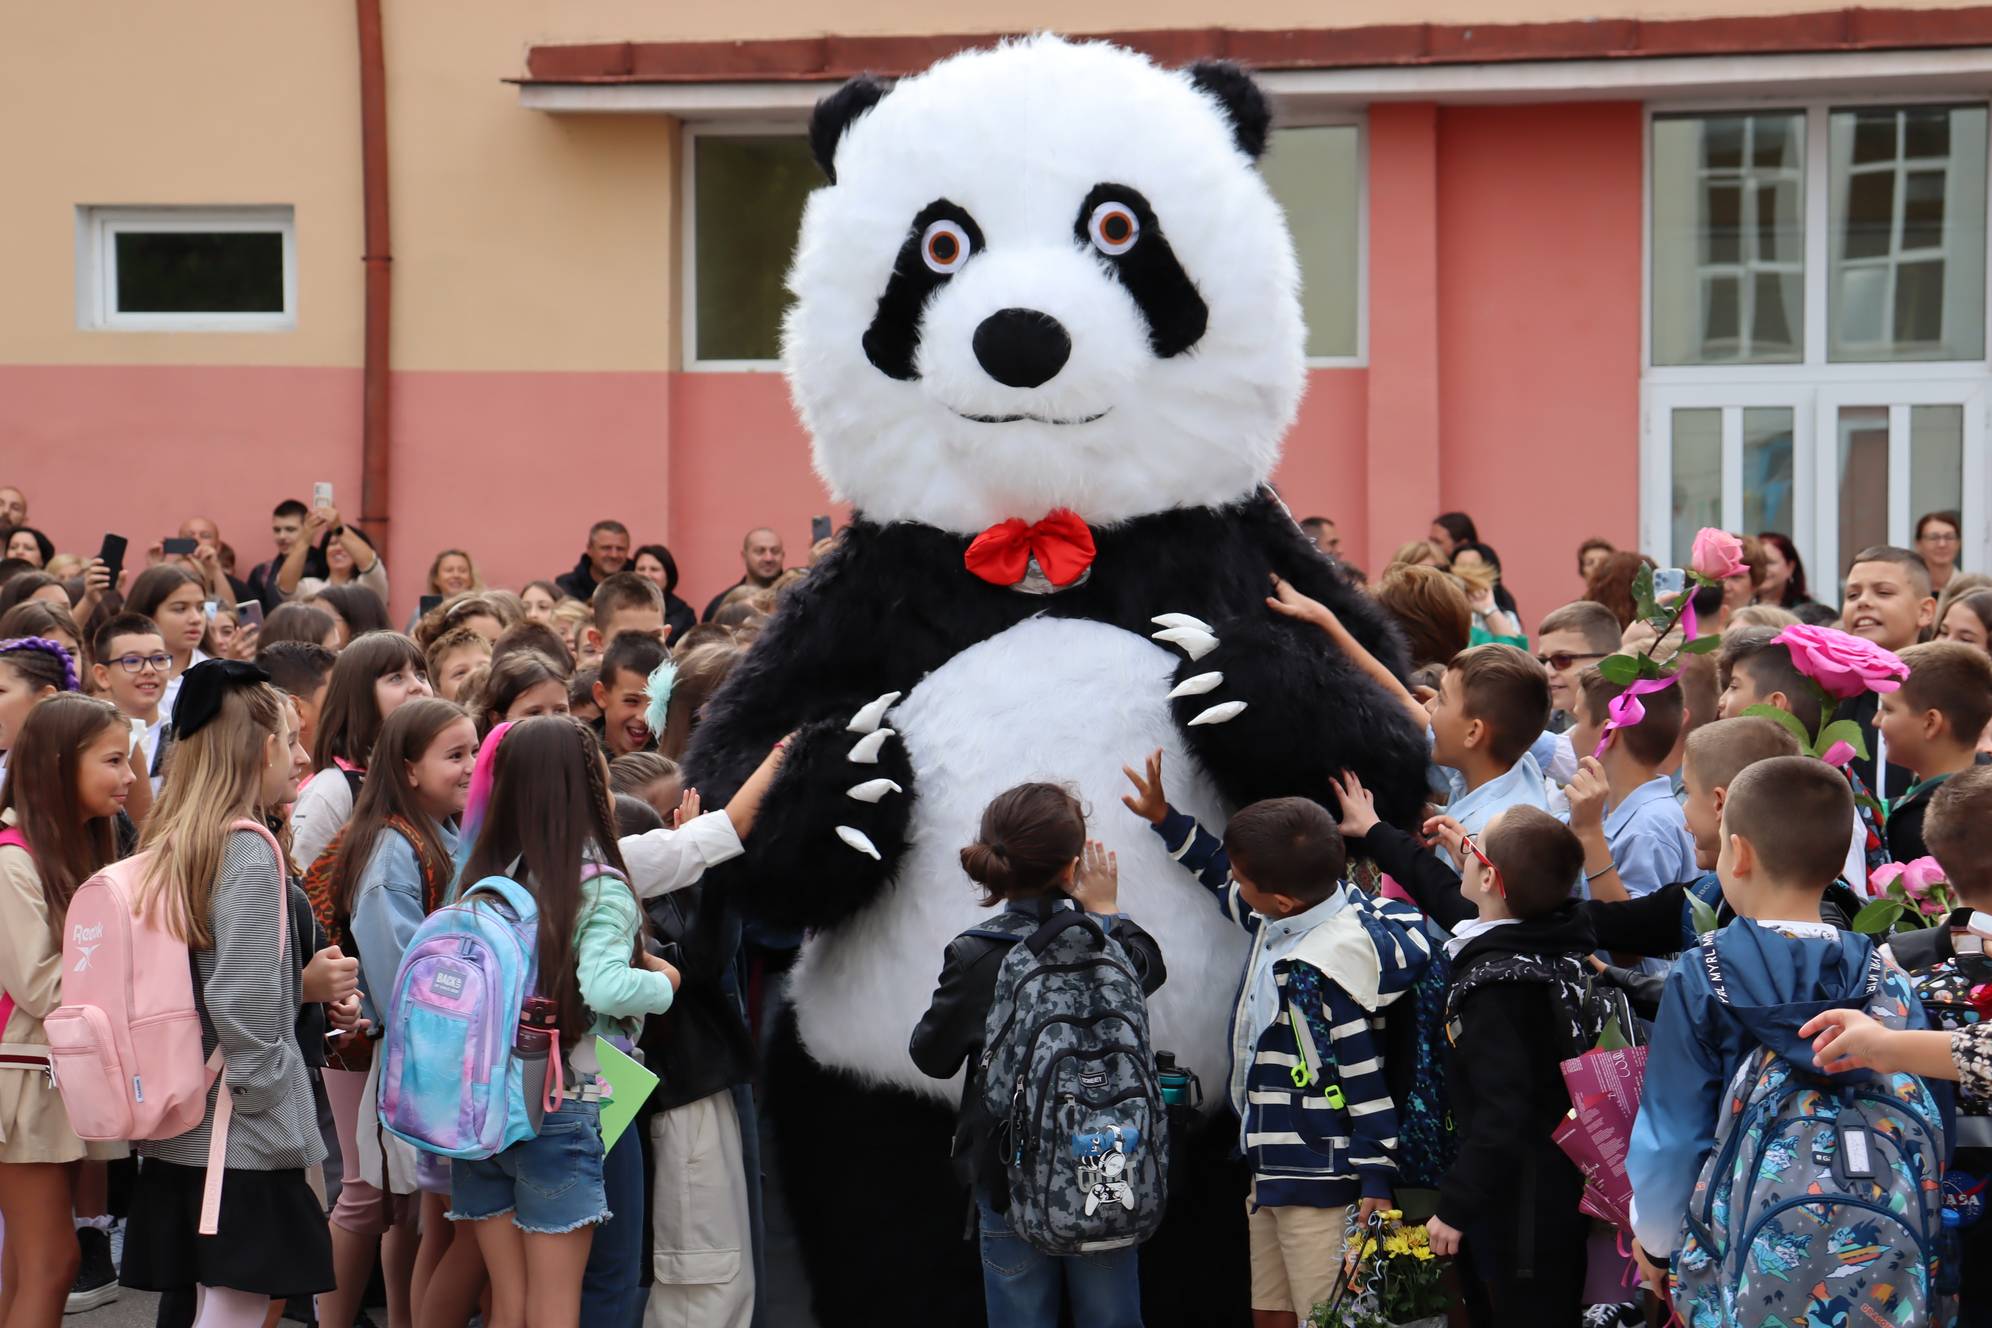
x,y
1822,1202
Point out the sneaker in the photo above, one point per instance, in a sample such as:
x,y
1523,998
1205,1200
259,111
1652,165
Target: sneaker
x,y
96,1278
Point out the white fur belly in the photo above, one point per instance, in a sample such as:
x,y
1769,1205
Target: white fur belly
x,y
1051,699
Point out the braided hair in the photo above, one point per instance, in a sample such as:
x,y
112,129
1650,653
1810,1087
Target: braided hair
x,y
40,663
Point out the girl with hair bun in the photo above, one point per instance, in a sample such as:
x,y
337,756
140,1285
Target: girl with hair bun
x,y
1031,857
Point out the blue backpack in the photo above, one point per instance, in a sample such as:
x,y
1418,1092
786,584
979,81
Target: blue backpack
x,y
451,1081
1822,1202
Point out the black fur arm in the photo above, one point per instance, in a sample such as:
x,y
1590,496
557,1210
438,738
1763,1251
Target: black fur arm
x,y
1308,709
840,642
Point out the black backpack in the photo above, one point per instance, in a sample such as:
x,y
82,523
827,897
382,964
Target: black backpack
x,y
1067,1074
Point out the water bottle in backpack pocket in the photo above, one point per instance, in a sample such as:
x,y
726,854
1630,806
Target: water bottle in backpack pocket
x,y
1068,1074
452,1080
1822,1202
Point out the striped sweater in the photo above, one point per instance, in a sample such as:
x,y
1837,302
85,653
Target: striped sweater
x,y
1316,1118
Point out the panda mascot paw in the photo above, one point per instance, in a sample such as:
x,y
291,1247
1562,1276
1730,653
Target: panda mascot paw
x,y
1046,338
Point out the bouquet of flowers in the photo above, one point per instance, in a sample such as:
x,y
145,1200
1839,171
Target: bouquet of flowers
x,y
1913,895
1393,1281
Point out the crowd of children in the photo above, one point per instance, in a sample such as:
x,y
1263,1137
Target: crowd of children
x,y
1648,863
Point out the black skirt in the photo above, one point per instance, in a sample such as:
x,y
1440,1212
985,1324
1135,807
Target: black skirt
x,y
272,1238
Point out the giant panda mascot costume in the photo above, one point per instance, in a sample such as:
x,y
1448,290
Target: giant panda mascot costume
x,y
1046,338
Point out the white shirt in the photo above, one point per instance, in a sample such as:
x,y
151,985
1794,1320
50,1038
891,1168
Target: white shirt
x,y
323,807
1466,931
664,860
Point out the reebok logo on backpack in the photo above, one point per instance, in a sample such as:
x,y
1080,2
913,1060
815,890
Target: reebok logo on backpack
x,y
1068,1074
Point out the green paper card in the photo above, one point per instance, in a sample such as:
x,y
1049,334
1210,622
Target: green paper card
x,y
629,1081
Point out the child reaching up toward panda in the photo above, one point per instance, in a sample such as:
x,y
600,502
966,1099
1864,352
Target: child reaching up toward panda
x,y
1032,858
1307,1079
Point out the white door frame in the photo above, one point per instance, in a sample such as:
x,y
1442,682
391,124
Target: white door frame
x,y
1898,397
1656,517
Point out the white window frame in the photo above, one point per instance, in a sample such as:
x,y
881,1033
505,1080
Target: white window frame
x,y
97,229
689,228
1816,383
798,128
1359,121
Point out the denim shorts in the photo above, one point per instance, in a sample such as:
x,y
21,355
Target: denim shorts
x,y
550,1183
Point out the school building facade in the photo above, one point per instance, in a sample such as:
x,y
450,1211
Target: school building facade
x,y
1615,268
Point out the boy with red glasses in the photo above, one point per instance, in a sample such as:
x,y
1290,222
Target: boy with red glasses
x,y
1520,1002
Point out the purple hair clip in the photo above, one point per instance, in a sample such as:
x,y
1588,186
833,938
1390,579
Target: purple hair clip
x,y
70,681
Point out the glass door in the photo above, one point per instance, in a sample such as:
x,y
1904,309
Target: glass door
x,y
1727,457
1895,452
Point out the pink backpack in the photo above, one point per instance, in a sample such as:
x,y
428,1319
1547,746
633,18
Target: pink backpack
x,y
126,1041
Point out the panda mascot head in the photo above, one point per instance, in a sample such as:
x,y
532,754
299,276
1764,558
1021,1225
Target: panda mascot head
x,y
1085,298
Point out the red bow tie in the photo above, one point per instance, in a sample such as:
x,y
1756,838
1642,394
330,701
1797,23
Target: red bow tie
x,y
1061,543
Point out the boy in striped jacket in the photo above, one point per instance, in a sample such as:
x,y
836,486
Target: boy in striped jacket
x,y
1306,1078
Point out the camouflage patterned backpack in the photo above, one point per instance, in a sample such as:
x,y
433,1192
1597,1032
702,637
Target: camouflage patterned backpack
x,y
1822,1201
1068,1074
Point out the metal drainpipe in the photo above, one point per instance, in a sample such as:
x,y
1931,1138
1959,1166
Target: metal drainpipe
x,y
375,443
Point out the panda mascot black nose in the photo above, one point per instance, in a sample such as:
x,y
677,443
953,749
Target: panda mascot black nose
x,y
1022,347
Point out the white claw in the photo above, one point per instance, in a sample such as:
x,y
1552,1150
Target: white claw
x,y
1197,686
865,750
868,719
1194,642
872,790
1220,714
1181,620
860,841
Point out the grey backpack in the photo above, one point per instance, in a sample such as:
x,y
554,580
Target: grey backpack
x,y
1068,1077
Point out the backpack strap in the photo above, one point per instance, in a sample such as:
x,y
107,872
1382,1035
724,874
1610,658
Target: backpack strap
x,y
224,1104
1064,920
11,837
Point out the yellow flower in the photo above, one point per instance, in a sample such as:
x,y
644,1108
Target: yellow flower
x,y
1422,1252
1397,1243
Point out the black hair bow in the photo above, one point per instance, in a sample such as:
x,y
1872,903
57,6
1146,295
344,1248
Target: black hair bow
x,y
203,686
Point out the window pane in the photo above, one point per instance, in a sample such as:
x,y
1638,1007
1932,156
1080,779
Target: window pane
x,y
1728,238
1767,468
748,192
1907,238
1936,460
1316,174
1863,451
1697,439
200,272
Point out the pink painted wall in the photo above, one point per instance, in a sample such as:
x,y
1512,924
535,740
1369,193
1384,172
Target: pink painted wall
x,y
136,449
1323,469
739,459
1538,333
1402,428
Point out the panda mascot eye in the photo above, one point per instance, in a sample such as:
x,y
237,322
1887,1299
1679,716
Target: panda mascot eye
x,y
1114,228
945,246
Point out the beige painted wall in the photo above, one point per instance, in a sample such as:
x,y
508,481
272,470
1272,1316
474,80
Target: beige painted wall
x,y
608,20
522,241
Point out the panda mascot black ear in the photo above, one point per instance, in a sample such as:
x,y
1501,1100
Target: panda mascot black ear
x,y
1244,104
834,114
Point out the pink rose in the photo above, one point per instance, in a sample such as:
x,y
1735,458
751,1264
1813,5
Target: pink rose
x,y
1920,875
1717,554
1884,876
1843,664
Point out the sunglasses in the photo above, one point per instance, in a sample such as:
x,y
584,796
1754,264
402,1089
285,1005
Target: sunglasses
x,y
1485,861
1562,660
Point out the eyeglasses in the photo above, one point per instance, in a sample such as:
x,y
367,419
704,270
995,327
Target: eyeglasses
x,y
1562,660
159,663
1939,537
1492,870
